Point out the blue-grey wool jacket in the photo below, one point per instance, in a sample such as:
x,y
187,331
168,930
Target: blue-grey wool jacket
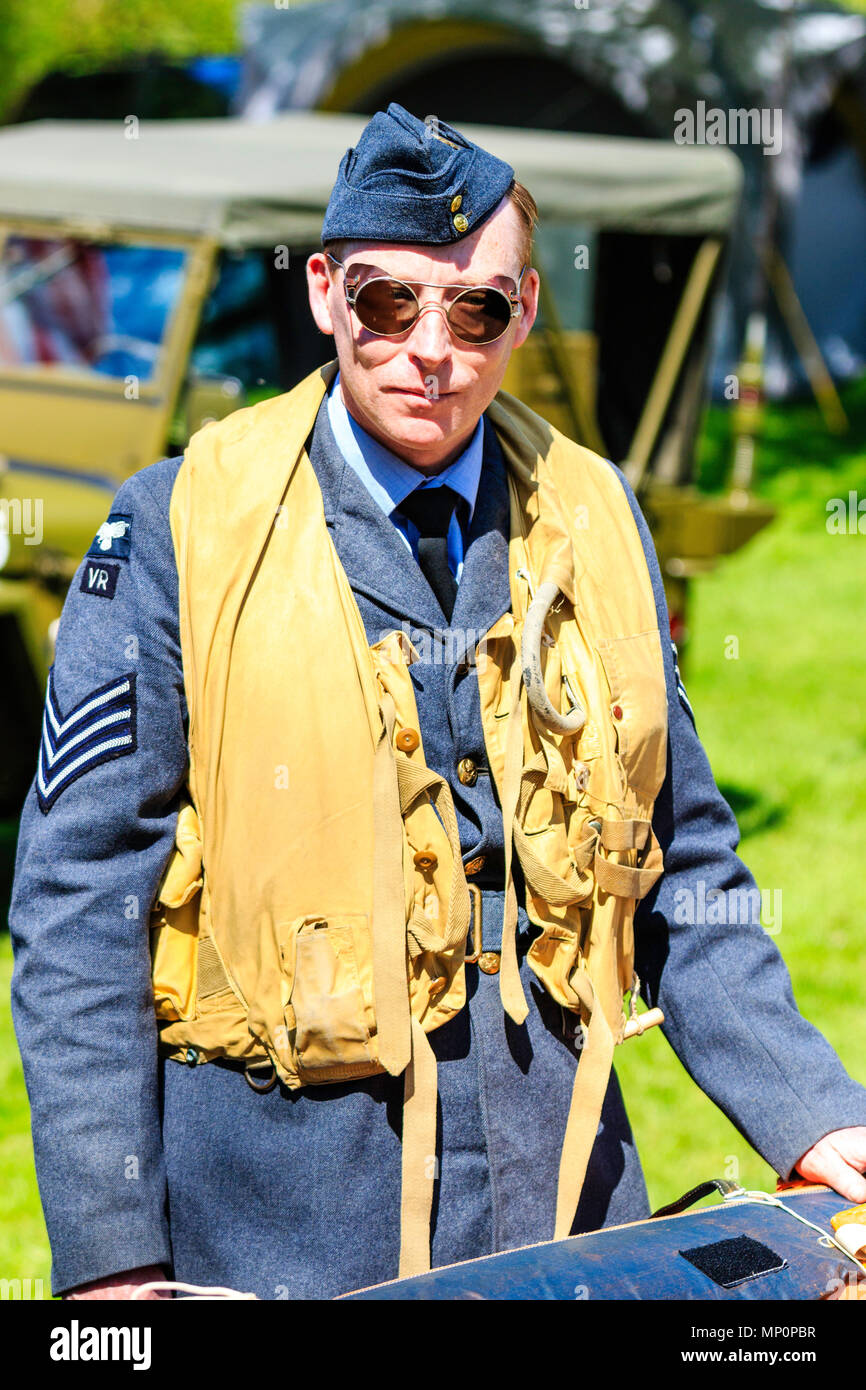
x,y
144,1161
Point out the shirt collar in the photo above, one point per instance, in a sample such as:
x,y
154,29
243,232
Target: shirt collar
x,y
390,479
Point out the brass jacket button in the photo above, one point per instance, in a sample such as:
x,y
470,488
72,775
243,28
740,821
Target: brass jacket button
x,y
467,771
455,202
474,866
425,859
461,223
488,961
407,740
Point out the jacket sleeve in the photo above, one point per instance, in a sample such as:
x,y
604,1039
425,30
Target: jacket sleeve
x,y
725,991
96,833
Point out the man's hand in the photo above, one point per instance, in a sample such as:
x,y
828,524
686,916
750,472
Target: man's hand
x,y
121,1285
838,1160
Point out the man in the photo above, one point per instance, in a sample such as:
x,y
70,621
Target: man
x,y
246,744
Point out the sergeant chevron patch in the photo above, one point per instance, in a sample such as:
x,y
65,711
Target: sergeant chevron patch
x,y
98,729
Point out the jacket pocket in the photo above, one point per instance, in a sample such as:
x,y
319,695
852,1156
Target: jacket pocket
x,y
331,1002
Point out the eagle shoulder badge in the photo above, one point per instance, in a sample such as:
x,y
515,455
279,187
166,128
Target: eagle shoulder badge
x,y
112,540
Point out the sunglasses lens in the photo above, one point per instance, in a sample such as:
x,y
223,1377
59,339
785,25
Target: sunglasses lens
x,y
480,316
386,306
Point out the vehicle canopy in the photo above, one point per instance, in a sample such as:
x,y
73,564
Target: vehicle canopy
x,y
248,184
145,287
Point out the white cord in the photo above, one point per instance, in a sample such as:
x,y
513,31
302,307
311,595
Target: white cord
x,y
193,1291
740,1194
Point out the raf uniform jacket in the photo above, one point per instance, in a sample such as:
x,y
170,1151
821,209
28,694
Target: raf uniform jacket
x,y
142,1161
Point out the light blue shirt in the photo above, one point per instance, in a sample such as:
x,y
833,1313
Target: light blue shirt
x,y
389,479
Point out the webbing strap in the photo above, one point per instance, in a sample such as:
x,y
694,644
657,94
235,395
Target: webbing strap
x,y
389,907
510,988
419,1156
625,834
545,882
584,1113
625,881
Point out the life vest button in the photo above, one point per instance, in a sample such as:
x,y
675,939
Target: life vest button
x,y
489,962
467,771
407,740
425,859
617,711
437,985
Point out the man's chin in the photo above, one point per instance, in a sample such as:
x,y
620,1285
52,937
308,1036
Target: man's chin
x,y
416,431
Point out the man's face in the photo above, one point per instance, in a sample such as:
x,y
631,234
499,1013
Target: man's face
x,y
421,394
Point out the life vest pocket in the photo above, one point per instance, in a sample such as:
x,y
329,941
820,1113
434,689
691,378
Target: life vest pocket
x,y
554,958
330,1007
175,923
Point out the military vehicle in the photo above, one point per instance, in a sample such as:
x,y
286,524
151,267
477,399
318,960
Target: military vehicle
x,y
152,277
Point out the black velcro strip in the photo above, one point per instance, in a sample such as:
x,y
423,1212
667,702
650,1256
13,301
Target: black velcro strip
x,y
732,1262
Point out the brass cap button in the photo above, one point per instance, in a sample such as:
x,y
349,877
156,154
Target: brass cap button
x,y
456,201
461,223
488,961
467,771
407,740
425,859
474,866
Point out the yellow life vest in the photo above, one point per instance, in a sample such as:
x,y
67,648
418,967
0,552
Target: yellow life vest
x,y
315,914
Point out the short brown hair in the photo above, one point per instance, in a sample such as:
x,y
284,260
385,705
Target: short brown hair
x,y
523,201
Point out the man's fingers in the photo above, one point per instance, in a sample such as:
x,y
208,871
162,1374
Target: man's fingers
x,y
824,1163
851,1144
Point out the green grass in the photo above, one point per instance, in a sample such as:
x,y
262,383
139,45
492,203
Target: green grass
x,y
785,728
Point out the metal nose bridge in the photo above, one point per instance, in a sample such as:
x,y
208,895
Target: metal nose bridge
x,y
431,304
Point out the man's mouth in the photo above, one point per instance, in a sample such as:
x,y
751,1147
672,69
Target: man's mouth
x,y
419,391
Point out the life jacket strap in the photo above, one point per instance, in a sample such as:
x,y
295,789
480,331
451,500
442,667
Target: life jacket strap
x,y
584,1113
419,1155
389,909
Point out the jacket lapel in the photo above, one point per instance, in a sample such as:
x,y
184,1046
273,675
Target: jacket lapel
x,y
376,559
380,566
484,593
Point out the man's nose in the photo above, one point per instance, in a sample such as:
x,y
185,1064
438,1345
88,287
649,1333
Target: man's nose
x,y
430,339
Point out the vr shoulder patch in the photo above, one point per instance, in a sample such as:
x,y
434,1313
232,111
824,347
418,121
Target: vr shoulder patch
x,y
99,728
99,580
113,539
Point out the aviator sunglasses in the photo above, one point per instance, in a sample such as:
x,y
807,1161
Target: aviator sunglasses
x,y
388,307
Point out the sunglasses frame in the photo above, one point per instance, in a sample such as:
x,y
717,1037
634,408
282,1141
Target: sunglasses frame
x,y
351,288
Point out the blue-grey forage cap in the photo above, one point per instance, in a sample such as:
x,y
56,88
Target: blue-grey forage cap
x,y
409,180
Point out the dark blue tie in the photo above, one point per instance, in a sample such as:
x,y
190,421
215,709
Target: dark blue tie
x,y
431,509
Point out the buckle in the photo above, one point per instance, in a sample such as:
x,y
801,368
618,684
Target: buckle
x,y
475,894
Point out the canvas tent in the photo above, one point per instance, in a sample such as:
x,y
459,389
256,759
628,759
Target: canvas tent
x,y
622,67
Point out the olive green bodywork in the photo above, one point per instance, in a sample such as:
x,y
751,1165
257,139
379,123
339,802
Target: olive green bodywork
x,y
219,196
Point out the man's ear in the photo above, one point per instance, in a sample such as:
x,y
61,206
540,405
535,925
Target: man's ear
x,y
529,305
318,290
